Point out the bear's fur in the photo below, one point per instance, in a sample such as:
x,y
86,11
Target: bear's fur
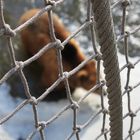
x,y
36,35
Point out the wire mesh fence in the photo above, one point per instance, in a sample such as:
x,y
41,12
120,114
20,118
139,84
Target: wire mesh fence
x,y
100,22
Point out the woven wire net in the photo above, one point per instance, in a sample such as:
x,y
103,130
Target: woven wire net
x,y
122,38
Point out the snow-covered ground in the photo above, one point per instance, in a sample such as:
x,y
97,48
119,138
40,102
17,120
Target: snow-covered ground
x,y
22,124
135,103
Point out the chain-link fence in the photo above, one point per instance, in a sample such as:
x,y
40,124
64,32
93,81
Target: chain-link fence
x,y
100,22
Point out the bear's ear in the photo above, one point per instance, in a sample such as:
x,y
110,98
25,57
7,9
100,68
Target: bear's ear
x,y
69,53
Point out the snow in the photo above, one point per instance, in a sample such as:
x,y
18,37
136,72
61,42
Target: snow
x,y
22,124
135,103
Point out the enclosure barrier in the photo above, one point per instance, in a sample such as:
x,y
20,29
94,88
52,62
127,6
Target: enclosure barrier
x,y
104,25
101,21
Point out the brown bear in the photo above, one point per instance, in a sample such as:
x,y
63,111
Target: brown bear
x,y
37,35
